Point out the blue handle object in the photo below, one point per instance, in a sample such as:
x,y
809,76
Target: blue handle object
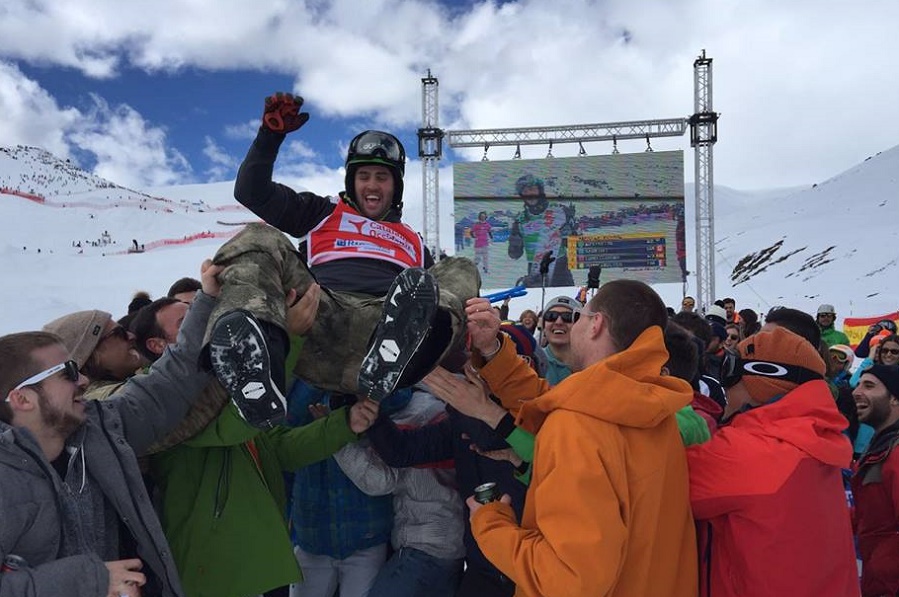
x,y
504,294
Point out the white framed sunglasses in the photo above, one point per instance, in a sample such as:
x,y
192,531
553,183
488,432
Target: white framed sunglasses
x,y
69,368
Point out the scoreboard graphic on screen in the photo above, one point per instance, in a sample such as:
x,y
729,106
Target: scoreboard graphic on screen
x,y
629,251
623,212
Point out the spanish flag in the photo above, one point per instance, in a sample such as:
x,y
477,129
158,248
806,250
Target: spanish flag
x,y
857,327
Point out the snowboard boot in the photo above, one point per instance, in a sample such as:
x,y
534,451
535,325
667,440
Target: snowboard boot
x,y
406,318
250,367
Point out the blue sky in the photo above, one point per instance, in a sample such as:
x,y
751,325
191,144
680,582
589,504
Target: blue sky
x,y
157,92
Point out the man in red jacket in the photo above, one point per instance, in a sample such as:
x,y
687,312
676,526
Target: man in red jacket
x,y
875,484
766,490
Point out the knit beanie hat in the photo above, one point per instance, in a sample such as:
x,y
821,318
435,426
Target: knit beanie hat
x,y
889,375
716,314
526,346
780,347
80,332
564,301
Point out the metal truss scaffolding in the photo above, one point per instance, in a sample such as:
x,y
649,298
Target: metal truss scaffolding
x,y
703,134
430,149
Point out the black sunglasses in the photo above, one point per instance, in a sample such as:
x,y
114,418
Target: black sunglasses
x,y
567,317
116,332
734,367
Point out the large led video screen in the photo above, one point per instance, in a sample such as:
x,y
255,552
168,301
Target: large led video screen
x,y
549,221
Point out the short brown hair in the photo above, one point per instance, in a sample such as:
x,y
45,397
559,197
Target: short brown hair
x,y
683,355
18,363
631,307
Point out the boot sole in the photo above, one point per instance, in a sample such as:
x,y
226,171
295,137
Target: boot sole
x,y
241,363
407,315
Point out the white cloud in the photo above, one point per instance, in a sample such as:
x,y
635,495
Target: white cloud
x,y
223,164
803,87
30,115
125,148
244,130
128,150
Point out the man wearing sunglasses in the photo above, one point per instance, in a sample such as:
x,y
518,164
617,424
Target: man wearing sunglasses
x,y
358,249
826,318
767,489
558,317
76,517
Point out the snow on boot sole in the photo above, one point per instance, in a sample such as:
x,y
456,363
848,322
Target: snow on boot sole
x,y
240,360
409,309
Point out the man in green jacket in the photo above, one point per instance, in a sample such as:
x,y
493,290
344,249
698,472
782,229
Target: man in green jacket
x,y
223,494
827,316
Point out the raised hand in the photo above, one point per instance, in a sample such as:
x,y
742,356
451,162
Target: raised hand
x,y
469,396
483,325
209,278
282,113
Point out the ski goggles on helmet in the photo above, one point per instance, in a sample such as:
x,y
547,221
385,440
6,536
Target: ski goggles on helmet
x,y
734,367
377,147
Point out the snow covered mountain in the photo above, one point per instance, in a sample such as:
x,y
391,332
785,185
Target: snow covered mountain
x,y
70,240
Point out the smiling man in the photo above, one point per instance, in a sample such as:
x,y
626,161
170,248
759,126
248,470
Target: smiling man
x,y
875,484
558,317
357,247
75,510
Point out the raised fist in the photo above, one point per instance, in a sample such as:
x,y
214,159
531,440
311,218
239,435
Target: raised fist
x,y
282,113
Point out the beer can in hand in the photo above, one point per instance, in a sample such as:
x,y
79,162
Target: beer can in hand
x,y
486,493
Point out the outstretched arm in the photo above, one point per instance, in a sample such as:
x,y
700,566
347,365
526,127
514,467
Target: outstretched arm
x,y
367,470
152,404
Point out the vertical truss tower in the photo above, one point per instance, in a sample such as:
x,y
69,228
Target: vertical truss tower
x,y
703,136
430,150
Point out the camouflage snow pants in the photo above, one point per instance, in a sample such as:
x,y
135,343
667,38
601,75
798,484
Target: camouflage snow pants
x,y
261,264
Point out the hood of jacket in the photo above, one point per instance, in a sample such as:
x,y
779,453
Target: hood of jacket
x,y
807,418
625,389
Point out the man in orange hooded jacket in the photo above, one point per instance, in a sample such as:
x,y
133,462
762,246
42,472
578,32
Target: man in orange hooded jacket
x,y
607,511
767,490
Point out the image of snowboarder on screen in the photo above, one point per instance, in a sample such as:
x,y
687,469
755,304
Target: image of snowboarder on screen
x,y
541,227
